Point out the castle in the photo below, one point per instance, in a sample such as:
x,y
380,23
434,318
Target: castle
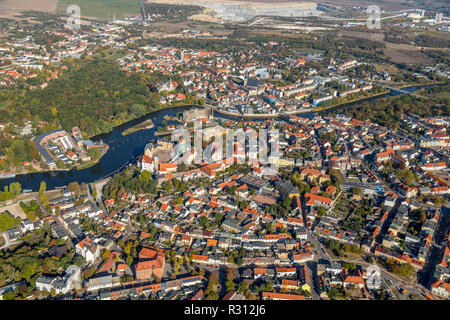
x,y
154,154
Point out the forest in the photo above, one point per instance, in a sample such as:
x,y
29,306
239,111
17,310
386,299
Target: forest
x,y
388,111
94,94
26,261
16,151
127,181
172,12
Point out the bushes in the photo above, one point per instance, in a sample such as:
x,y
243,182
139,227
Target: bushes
x,y
94,153
27,261
9,295
93,94
126,182
402,269
32,210
337,292
388,111
10,192
339,248
7,221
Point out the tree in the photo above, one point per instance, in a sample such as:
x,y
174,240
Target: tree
x,y
287,202
29,270
211,291
129,260
176,266
145,176
349,266
94,153
422,216
321,211
50,264
42,187
267,287
243,204
105,254
439,201
79,261
42,196
333,293
7,221
15,188
242,287
74,187
230,274
204,222
167,186
230,285
94,191
211,295
179,201
218,218
213,278
9,295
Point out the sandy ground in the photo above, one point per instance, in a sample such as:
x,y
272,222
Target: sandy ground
x,y
386,68
206,16
406,56
99,187
399,53
15,209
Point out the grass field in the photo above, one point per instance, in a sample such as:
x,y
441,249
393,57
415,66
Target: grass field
x,y
10,9
103,8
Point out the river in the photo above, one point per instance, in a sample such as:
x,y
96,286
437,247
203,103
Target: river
x,y
124,150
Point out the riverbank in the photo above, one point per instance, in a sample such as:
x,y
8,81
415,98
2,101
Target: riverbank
x,y
91,163
327,108
6,175
133,119
122,151
127,149
361,99
438,83
147,124
296,112
88,164
77,166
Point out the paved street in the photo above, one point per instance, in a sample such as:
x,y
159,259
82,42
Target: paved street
x,y
7,242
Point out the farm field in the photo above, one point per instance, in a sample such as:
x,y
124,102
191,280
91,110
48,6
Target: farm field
x,y
38,5
441,5
399,53
103,8
10,8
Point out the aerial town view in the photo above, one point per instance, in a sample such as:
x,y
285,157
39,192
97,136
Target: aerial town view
x,y
229,150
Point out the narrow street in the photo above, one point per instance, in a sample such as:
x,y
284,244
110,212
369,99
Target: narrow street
x,y
436,251
7,242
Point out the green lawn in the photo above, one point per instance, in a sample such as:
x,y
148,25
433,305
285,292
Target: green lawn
x,y
103,8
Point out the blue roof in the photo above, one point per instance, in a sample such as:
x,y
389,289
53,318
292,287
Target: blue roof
x,y
89,143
